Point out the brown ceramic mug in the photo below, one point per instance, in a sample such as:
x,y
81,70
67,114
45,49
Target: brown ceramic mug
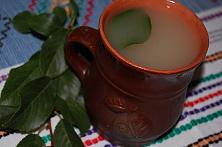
x,y
130,105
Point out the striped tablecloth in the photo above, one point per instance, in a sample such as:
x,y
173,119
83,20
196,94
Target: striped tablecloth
x,y
201,121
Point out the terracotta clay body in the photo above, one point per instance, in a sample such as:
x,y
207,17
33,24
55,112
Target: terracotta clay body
x,y
128,104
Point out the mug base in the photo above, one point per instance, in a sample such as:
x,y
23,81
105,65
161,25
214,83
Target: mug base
x,y
124,142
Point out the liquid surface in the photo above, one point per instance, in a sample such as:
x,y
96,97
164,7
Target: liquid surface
x,y
171,44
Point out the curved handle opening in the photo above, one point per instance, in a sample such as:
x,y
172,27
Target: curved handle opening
x,y
80,49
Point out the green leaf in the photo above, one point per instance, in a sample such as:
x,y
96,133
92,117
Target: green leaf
x,y
37,103
80,115
21,22
6,112
80,98
74,113
65,136
68,85
67,89
60,13
31,141
52,60
61,106
18,77
45,24
129,27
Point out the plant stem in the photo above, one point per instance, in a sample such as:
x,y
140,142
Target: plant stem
x,y
71,24
51,133
73,14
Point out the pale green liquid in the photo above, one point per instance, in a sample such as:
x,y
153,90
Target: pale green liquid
x,y
171,45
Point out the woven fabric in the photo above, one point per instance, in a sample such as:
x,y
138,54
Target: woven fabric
x,y
201,121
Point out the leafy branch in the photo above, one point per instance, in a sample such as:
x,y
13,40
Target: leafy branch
x,y
44,85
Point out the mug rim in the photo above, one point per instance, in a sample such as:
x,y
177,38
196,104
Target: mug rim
x,y
204,39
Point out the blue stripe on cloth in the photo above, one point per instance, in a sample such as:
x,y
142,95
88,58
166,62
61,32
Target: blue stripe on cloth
x,y
17,47
83,12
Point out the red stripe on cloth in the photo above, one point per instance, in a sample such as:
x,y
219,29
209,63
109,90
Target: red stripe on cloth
x,y
96,140
90,6
32,5
203,99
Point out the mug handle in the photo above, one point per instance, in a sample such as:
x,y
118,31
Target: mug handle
x,y
86,37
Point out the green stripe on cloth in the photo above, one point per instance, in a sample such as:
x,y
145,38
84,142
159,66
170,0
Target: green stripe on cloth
x,y
206,79
46,138
186,127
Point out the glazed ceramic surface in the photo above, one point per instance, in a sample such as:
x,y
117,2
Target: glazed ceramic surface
x,y
130,105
